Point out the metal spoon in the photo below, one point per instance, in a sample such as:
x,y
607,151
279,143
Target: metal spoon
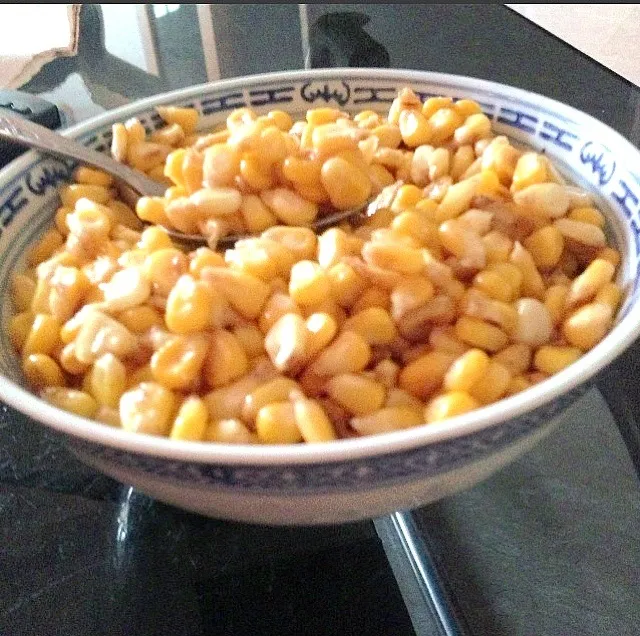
x,y
132,183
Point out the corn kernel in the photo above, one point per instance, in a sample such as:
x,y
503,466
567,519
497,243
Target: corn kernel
x,y
22,291
191,420
374,324
312,421
321,328
226,360
44,335
516,358
466,371
530,169
77,402
228,431
289,207
493,385
388,419
552,359
186,118
309,284
189,305
148,408
244,292
394,256
286,343
545,246
481,334
41,370
276,424
251,339
588,325
597,274
555,301
356,393
276,390
609,294
107,380
424,376
348,353
587,215
449,405
177,363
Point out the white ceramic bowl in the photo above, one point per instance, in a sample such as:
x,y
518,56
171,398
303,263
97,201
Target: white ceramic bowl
x,y
347,479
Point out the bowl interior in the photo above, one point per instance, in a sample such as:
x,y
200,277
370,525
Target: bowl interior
x,y
586,152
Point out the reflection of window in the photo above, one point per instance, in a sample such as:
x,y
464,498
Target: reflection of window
x,y
162,9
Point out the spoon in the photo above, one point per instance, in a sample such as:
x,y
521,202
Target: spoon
x,y
131,183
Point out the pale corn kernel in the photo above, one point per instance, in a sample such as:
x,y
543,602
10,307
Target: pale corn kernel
x,y
136,132
465,245
414,127
461,161
331,139
457,199
372,297
276,306
386,372
22,291
399,397
171,135
189,305
321,328
191,420
476,304
479,333
387,419
466,371
276,390
545,246
348,353
228,431
374,324
440,310
583,233
300,241
609,294
357,394
192,173
148,408
119,142
226,360
597,274
516,385
443,125
609,254
139,320
227,402
91,176
476,126
276,424
178,363
552,359
245,293
221,165
410,294
107,415
153,210
41,370
587,215
186,118
424,376
43,336
449,405
497,247
588,325
240,117
555,300
19,328
312,421
516,358
286,343
532,283
534,324
289,207
333,245
347,186
530,169
501,158
146,155
444,339
72,193
251,339
204,257
493,385
163,268
578,198
72,400
309,284
107,380
126,289
477,221
393,256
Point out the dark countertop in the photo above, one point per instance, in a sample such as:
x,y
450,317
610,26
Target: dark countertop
x,y
548,546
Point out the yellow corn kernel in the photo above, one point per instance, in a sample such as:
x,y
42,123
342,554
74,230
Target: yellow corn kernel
x,y
388,135
173,166
300,241
466,371
227,402
41,370
425,375
407,197
358,394
394,256
347,186
372,297
140,375
346,284
226,360
276,424
586,234
286,343
44,335
191,420
511,274
588,325
189,305
321,328
91,176
457,199
555,300
587,215
530,169
584,287
135,130
221,166
139,320
386,372
380,177
171,135
69,362
121,214
107,380
22,291
497,247
48,243
609,254
333,245
501,158
153,210
153,239
516,358
119,142
19,328
550,359
77,402
417,226
204,257
374,324
532,283
312,421
255,214
289,207
609,294
60,220
319,116
309,284
449,405
228,431
348,353
178,362
410,294
415,128
434,104
388,419
477,126
186,118
517,384
245,293
148,408
481,334
277,390
545,246
72,193
493,285
281,119
493,385
192,173
467,107
251,339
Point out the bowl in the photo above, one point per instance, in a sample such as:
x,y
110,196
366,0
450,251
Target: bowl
x,y
350,479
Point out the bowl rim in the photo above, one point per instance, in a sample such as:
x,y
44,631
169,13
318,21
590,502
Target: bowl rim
x,y
617,340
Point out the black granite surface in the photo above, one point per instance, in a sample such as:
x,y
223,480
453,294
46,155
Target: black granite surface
x,y
550,546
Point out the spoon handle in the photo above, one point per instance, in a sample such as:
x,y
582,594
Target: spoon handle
x,y
27,133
